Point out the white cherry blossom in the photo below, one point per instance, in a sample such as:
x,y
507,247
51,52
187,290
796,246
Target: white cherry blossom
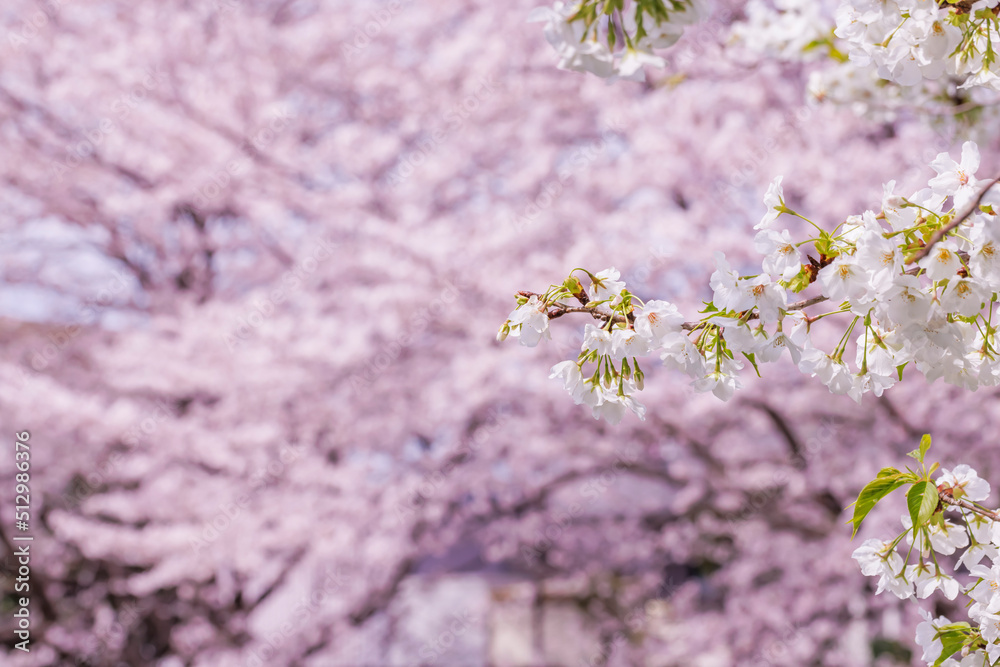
x,y
781,257
657,320
529,323
606,285
943,262
965,483
845,280
957,179
773,198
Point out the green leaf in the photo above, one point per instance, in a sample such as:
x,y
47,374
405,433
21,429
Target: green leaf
x,y
824,244
873,492
922,500
753,362
799,282
925,444
899,370
952,641
573,285
815,44
952,627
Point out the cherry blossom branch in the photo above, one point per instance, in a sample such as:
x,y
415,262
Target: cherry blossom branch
x,y
558,310
851,268
947,499
972,207
800,305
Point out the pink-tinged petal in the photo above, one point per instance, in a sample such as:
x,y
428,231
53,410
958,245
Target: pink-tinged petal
x,y
947,183
970,158
943,164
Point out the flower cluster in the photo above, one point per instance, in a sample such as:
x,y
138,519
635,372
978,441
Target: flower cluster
x,y
867,95
935,59
615,39
905,41
912,40
945,519
786,29
870,80
914,284
633,329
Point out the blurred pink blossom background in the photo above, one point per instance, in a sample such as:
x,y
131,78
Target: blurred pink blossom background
x,y
254,257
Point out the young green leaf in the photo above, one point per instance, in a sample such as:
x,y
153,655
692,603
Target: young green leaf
x,y
799,282
874,491
952,641
922,500
925,444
